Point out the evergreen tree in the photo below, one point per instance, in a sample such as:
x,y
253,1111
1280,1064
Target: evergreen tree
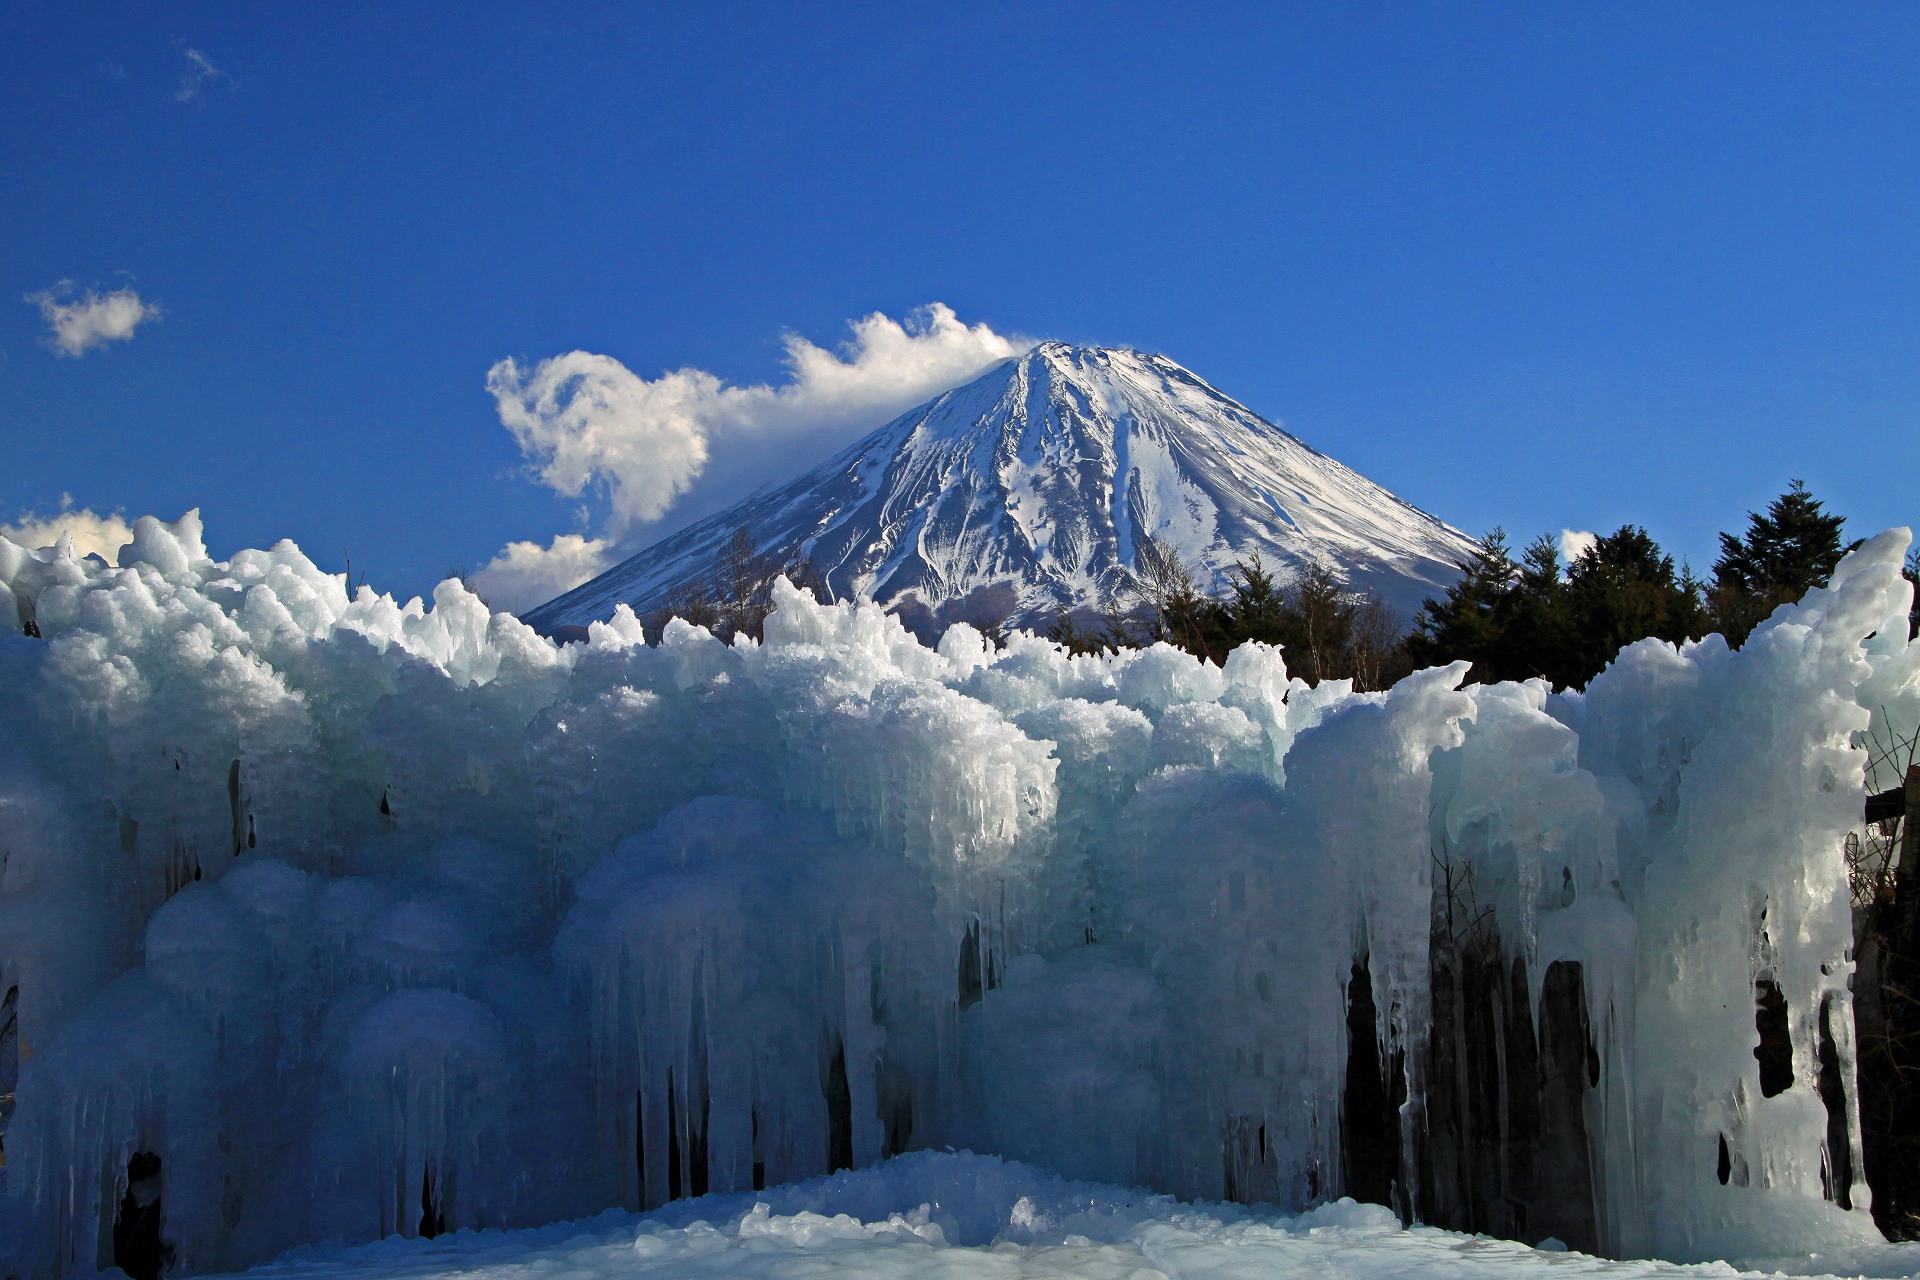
x,y
1255,608
1621,589
1527,620
1536,629
1695,617
1467,624
1327,631
1783,554
1077,636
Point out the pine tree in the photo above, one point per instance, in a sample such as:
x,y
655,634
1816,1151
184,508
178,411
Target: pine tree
x,y
1536,632
1621,589
1327,631
1467,623
1255,608
1784,554
1695,618
1077,636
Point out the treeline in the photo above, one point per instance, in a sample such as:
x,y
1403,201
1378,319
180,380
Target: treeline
x,y
1328,632
1513,617
735,596
1534,617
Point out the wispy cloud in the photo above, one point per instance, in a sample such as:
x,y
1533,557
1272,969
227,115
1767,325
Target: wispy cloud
x,y
200,73
687,443
92,533
78,324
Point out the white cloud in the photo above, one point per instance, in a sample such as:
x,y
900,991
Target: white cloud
x,y
689,443
582,417
93,319
525,574
199,74
585,419
1573,542
92,533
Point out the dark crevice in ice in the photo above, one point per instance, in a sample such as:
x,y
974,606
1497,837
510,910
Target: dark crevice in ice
x,y
1370,1119
1505,1149
138,1248
673,1140
1775,1048
839,1099
971,986
640,1145
433,1219
1837,1170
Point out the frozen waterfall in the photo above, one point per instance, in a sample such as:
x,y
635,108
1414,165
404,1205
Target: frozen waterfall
x,y
326,917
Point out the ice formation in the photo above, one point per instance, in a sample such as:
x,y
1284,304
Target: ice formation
x,y
327,917
954,1216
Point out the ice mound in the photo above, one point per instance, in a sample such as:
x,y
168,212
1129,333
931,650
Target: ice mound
x,y
967,1217
327,917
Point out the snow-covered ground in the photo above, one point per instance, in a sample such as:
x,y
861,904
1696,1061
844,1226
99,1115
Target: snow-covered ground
x,y
967,1217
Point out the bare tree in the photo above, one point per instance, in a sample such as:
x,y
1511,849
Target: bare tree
x,y
1078,636
690,600
742,582
735,595
1324,615
1375,652
1174,605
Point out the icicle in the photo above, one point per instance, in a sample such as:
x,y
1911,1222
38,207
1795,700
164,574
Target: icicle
x,y
361,916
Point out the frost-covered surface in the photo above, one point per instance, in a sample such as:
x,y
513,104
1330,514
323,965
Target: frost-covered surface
x,y
344,907
967,1217
1039,479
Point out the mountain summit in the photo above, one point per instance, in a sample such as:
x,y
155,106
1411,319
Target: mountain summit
x,y
1037,481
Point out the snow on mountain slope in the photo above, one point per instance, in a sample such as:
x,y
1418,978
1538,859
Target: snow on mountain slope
x,y
1044,474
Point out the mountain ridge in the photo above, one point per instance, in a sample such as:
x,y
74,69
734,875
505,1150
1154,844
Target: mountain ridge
x,y
1042,477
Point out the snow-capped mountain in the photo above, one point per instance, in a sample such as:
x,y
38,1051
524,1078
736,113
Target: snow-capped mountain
x,y
1038,480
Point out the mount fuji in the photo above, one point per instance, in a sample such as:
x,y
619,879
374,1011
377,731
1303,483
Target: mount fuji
x,y
1037,482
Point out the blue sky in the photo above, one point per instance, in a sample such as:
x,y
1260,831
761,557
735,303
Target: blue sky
x,y
1545,266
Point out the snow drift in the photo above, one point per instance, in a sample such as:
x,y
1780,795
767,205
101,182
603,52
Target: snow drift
x,y
352,917
947,1216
